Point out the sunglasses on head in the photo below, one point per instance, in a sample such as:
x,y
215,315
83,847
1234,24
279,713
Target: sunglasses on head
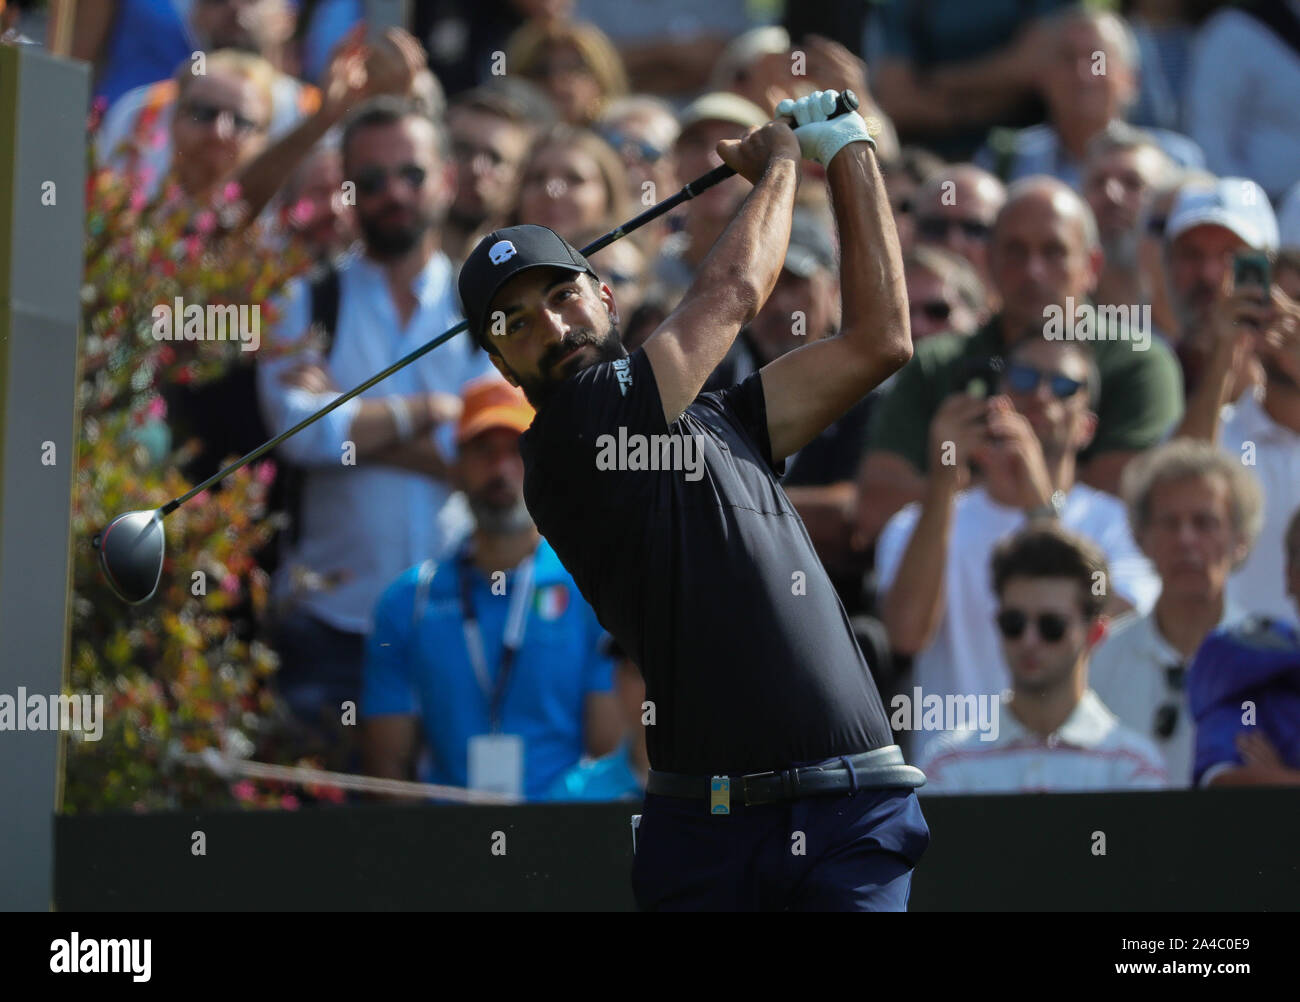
x,y
938,228
1025,379
205,114
372,180
1051,626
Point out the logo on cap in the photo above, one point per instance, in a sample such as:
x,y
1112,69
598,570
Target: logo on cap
x,y
502,251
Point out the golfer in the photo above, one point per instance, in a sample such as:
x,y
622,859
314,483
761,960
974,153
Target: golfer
x,y
774,782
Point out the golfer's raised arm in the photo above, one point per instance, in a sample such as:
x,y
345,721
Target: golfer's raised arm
x,y
806,390
738,274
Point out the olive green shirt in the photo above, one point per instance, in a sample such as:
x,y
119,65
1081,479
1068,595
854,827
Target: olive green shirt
x,y
1141,393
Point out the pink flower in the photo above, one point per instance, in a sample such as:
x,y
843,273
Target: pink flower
x,y
230,585
138,200
289,802
302,212
157,409
264,473
206,221
192,246
244,790
231,191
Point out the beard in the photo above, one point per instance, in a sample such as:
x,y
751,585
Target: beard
x,y
468,220
500,520
608,349
386,241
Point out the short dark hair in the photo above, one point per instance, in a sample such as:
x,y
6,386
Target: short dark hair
x,y
390,110
1049,551
493,101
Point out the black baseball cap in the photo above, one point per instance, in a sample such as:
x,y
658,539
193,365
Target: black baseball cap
x,y
503,254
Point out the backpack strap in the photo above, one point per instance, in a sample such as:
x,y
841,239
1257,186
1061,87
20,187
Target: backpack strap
x,y
324,293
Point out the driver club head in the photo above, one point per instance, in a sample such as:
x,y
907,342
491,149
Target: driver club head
x,y
131,551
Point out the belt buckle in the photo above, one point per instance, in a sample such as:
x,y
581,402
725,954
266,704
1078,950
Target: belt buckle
x,y
789,785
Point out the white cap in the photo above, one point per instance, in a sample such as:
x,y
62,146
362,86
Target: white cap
x,y
1235,203
744,49
1288,219
722,106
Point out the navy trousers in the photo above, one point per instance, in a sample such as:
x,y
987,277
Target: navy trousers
x,y
847,852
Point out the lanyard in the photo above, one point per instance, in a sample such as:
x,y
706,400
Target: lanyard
x,y
516,620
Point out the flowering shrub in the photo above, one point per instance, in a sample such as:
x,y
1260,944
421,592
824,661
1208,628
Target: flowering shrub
x,y
174,672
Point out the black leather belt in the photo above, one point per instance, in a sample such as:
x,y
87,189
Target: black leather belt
x,y
883,768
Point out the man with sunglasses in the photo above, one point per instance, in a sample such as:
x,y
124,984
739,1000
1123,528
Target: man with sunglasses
x,y
933,557
943,293
376,469
1044,251
1195,512
1053,734
955,209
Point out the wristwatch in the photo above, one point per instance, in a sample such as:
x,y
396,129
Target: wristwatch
x,y
1054,508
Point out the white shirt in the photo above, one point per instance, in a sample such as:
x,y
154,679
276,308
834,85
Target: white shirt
x,y
1092,750
965,655
1259,585
1127,671
368,521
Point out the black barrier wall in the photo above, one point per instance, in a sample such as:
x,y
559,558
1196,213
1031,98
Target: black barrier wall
x,y
1234,850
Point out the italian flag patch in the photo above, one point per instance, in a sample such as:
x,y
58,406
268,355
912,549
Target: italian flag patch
x,y
551,601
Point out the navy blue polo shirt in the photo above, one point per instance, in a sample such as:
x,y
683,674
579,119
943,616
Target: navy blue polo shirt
x,y
705,574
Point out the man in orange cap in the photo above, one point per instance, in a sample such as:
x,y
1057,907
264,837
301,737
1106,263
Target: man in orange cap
x,y
492,651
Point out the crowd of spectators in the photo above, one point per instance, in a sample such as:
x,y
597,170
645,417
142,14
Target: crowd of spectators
x,y
1078,500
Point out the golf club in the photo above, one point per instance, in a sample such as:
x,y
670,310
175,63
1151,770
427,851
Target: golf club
x,y
132,547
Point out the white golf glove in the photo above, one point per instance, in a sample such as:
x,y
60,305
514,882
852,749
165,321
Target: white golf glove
x,y
820,136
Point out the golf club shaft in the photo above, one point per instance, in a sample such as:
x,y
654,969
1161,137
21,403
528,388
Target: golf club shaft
x,y
846,103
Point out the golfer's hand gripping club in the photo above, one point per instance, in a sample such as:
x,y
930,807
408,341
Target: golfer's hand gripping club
x,y
819,111
823,127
